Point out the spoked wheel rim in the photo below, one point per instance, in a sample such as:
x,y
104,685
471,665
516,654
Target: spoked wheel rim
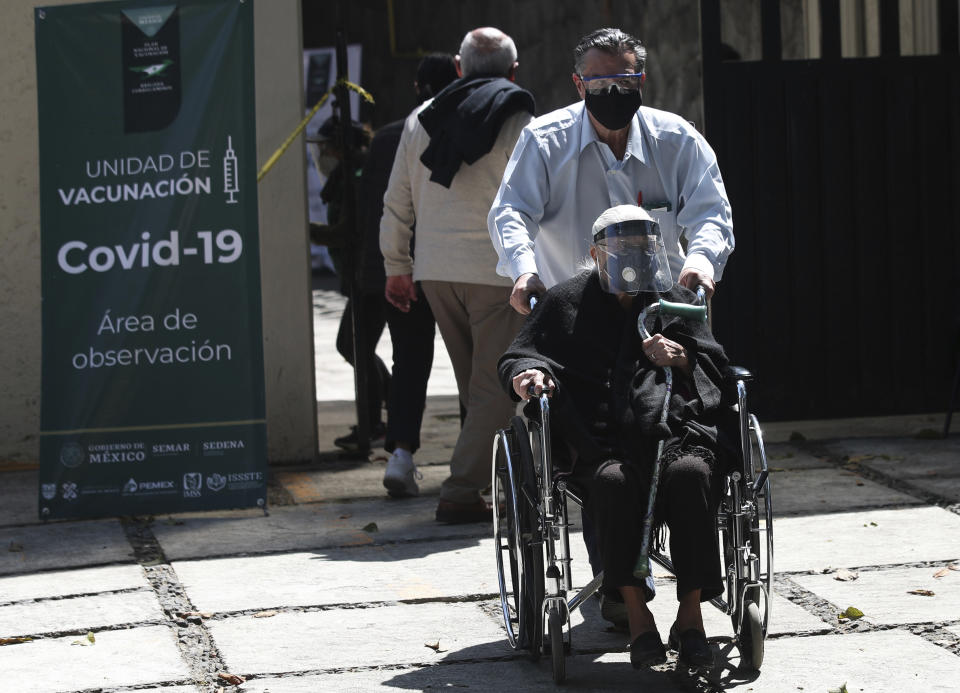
x,y
506,533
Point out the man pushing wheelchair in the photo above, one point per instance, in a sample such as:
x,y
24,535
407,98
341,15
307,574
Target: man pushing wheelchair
x,y
625,406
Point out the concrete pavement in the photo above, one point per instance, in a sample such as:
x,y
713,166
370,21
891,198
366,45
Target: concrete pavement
x,y
340,588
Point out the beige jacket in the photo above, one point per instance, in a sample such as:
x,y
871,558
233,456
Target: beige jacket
x,y
452,242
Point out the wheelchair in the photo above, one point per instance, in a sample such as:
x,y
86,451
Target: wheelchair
x,y
531,531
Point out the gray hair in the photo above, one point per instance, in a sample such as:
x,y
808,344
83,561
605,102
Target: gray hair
x,y
612,41
487,51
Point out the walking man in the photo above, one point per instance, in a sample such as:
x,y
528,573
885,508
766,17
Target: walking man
x,y
448,167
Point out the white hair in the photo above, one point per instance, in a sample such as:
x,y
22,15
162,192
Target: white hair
x,y
487,51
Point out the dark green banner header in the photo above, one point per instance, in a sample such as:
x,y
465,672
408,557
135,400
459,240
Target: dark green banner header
x,y
152,394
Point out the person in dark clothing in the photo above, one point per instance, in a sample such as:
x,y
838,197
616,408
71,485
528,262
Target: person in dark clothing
x,y
339,235
608,387
412,334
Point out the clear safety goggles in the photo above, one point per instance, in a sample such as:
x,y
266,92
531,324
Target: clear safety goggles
x,y
626,82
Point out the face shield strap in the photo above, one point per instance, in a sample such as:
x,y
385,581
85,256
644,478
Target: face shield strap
x,y
628,228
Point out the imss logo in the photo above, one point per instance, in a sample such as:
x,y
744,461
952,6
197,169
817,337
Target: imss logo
x,y
192,484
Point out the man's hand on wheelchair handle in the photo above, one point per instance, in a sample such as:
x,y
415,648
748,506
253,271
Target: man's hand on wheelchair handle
x,y
692,278
526,285
532,382
666,352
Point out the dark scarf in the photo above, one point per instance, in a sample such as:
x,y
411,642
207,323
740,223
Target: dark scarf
x,y
464,119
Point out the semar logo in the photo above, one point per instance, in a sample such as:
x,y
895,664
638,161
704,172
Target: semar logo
x,y
192,483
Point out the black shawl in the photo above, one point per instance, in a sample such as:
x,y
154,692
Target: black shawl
x,y
464,120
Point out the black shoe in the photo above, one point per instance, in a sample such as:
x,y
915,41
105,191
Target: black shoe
x,y
464,513
692,648
647,650
351,442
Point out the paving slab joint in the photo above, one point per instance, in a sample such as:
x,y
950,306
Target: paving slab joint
x,y
904,486
194,641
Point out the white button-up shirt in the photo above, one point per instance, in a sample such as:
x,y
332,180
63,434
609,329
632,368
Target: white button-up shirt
x,y
560,178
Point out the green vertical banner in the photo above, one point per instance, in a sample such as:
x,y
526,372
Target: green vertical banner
x,y
152,393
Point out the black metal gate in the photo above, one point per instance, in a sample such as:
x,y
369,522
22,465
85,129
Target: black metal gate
x,y
844,176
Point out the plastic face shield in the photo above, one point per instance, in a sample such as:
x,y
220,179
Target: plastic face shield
x,y
631,258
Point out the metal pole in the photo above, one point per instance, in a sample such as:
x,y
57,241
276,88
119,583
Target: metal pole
x,y
351,247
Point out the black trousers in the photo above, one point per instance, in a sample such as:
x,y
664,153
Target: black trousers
x,y
687,500
373,317
412,336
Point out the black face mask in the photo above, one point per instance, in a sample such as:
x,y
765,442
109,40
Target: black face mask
x,y
613,108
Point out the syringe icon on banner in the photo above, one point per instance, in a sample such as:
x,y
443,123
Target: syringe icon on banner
x,y
230,184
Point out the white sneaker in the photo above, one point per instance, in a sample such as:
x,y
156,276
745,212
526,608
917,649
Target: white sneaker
x,y
400,477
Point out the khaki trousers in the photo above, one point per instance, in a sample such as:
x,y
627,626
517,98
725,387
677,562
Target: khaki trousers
x,y
477,325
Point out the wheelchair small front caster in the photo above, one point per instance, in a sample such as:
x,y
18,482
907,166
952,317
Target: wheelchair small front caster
x,y
557,653
751,638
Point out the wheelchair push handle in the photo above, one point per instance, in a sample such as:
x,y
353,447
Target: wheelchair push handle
x,y
683,310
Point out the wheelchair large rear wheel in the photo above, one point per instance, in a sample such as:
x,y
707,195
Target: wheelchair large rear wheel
x,y
506,534
530,555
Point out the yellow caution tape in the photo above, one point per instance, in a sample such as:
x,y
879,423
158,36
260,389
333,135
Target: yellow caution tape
x,y
303,123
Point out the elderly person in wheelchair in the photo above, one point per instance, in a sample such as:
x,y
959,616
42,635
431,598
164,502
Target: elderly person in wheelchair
x,y
607,388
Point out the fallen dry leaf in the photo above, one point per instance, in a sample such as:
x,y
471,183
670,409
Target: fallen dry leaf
x,y
942,573
852,612
195,614
954,566
346,516
264,614
371,527
15,547
846,575
232,679
434,645
859,483
13,641
922,593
